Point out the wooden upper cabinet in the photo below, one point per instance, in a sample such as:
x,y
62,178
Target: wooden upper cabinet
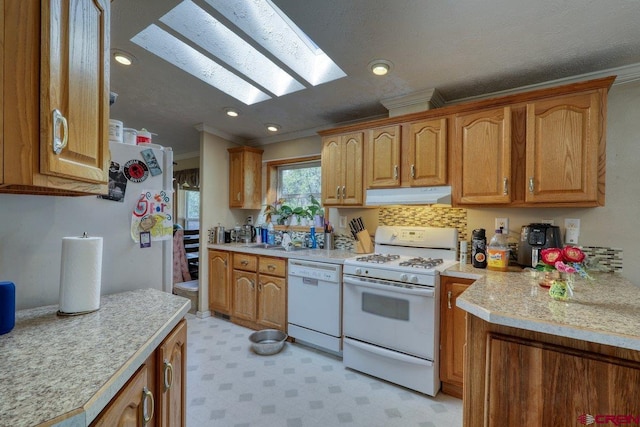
x,y
426,162
342,170
383,164
55,97
410,155
245,177
482,157
563,149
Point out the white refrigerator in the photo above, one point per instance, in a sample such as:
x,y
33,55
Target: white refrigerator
x,y
32,229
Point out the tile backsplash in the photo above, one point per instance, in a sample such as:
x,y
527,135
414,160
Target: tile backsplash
x,y
426,217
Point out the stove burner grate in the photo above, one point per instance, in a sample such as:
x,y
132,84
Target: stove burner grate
x,y
420,262
377,258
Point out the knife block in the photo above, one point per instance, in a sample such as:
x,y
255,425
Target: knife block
x,y
364,245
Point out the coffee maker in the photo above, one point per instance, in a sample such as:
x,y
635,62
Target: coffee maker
x,y
535,237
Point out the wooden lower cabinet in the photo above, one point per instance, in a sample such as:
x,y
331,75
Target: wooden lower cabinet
x,y
522,378
259,292
132,407
452,335
156,394
220,281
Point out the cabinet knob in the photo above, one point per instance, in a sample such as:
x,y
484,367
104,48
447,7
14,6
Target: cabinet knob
x,y
505,186
413,171
147,397
58,143
168,375
395,172
531,185
449,300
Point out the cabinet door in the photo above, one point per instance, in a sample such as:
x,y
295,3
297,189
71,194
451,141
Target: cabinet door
x,y
172,390
236,179
482,157
427,157
352,186
272,302
244,295
564,137
219,281
530,383
74,97
383,148
452,335
331,170
132,405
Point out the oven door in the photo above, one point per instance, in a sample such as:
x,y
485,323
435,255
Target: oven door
x,y
397,318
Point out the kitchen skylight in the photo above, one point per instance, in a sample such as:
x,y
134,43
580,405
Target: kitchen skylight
x,y
223,59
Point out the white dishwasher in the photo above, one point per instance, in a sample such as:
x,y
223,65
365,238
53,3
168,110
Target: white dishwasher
x,y
315,304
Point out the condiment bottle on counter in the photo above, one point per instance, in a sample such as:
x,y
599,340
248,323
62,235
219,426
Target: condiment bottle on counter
x,y
478,248
498,252
271,234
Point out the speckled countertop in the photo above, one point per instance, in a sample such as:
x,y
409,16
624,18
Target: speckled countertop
x,y
64,370
331,256
605,310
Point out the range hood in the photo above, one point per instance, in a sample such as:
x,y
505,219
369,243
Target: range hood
x,y
409,196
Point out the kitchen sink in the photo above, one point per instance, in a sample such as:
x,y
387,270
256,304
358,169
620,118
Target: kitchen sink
x,y
275,247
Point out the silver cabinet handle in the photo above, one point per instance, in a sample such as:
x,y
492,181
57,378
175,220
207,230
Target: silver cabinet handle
x,y
449,300
531,186
147,396
271,267
58,143
413,171
238,196
260,287
244,262
505,188
395,172
344,193
168,375
338,192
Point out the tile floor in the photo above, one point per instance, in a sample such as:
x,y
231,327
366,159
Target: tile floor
x,y
229,385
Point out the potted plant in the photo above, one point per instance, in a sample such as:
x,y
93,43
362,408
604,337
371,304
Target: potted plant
x,y
278,213
315,211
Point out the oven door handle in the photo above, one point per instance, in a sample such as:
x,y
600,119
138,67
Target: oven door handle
x,y
418,291
387,353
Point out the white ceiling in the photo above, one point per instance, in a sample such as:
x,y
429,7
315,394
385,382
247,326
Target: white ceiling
x,y
462,48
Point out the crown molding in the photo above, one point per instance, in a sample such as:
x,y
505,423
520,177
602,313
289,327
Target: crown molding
x,y
201,127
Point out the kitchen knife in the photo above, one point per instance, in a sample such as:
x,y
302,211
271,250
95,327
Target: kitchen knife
x,y
360,223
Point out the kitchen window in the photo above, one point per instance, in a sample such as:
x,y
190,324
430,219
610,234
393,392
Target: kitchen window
x,y
294,180
192,210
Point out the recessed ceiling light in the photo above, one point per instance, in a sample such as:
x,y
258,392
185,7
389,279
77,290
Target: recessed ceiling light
x,y
380,67
122,57
231,112
272,127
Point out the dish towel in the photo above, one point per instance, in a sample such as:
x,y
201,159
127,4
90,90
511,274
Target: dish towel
x,y
180,265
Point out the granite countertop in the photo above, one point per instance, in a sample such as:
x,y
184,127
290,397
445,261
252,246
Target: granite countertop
x,y
605,310
63,370
331,256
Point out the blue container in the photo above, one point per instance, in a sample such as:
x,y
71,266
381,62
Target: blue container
x,y
7,307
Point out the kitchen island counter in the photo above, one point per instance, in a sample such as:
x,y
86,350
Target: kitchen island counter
x,y
63,370
605,310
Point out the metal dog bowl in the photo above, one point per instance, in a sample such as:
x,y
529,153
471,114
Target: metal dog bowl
x,y
267,341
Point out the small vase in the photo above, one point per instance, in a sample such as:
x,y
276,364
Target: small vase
x,y
562,288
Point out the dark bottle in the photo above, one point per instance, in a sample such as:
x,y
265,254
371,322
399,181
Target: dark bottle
x,y
479,248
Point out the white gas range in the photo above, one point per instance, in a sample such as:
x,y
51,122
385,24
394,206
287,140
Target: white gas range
x,y
390,305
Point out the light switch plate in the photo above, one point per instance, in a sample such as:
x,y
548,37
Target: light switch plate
x,y
571,230
343,222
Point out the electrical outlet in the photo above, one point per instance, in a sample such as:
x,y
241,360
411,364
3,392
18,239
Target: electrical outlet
x,y
343,222
502,223
571,230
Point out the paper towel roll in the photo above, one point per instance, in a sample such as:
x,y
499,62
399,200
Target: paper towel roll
x,y
80,274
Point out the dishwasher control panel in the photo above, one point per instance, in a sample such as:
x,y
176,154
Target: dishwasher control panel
x,y
315,270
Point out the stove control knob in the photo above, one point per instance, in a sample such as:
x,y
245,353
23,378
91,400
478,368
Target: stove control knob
x,y
404,277
413,278
358,271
